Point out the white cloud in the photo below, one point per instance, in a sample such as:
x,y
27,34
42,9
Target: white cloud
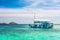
x,y
16,13
52,15
16,10
47,13
29,12
21,16
34,3
53,4
56,1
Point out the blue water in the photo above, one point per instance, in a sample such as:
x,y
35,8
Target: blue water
x,y
24,32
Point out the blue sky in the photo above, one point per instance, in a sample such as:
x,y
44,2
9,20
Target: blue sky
x,y
13,3
18,8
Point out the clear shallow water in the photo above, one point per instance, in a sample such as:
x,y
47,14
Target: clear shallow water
x,y
16,32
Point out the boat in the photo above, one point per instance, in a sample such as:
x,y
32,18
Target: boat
x,y
38,23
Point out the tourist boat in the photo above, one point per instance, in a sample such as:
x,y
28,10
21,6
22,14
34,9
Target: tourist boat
x,y
38,23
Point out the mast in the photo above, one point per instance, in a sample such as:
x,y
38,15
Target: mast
x,y
35,15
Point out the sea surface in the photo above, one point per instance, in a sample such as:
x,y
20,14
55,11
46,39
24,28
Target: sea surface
x,y
24,32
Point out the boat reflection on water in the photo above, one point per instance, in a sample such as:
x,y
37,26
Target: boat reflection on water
x,y
41,24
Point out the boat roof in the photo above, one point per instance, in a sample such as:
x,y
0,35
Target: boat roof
x,y
41,20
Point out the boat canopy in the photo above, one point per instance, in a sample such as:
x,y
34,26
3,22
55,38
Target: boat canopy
x,y
42,20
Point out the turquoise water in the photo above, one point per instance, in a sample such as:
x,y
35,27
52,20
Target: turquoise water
x,y
24,32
